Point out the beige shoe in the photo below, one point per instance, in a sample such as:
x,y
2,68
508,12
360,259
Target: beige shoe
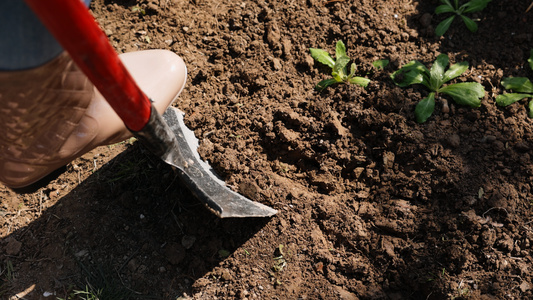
x,y
52,114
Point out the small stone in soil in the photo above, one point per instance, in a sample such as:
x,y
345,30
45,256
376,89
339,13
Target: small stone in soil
x,y
425,20
454,140
132,265
525,286
81,253
13,247
226,275
187,241
175,253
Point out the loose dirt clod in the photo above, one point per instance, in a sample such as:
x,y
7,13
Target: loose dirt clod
x,y
13,247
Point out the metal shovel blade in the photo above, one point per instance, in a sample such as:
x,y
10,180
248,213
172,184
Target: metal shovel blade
x,y
201,178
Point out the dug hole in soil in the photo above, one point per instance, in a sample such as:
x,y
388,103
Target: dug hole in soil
x,y
372,205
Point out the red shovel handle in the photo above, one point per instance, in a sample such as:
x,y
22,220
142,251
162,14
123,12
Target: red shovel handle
x,y
76,30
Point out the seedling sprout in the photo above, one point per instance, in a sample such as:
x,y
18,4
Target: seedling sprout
x,y
464,93
339,67
469,7
521,85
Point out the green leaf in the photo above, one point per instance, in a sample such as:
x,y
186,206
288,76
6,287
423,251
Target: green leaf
x,y
411,73
361,81
443,26
470,24
530,60
322,56
352,70
424,109
447,2
455,71
339,69
340,50
476,5
444,9
530,107
436,73
461,8
510,98
518,84
380,64
465,93
341,62
223,253
325,83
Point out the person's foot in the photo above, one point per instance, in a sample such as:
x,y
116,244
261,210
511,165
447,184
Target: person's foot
x,y
52,114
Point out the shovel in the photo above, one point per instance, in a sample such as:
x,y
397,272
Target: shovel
x,y
164,135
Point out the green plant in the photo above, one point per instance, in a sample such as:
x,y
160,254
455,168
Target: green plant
x,y
6,277
464,93
469,7
100,283
223,253
339,67
87,294
380,64
522,85
129,169
138,9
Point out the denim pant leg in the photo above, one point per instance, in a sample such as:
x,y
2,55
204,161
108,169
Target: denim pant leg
x,y
24,41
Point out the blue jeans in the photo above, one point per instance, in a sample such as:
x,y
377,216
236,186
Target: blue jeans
x,y
24,41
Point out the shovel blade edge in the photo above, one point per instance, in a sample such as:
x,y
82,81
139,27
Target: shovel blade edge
x,y
201,179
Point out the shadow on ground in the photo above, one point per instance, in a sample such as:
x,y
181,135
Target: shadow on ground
x,y
130,230
498,24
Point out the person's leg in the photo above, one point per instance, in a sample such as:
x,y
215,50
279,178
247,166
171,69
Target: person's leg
x,y
50,113
24,41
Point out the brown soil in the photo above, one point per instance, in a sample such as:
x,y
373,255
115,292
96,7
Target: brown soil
x,y
371,204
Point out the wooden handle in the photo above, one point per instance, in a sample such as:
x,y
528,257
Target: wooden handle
x,y
76,30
